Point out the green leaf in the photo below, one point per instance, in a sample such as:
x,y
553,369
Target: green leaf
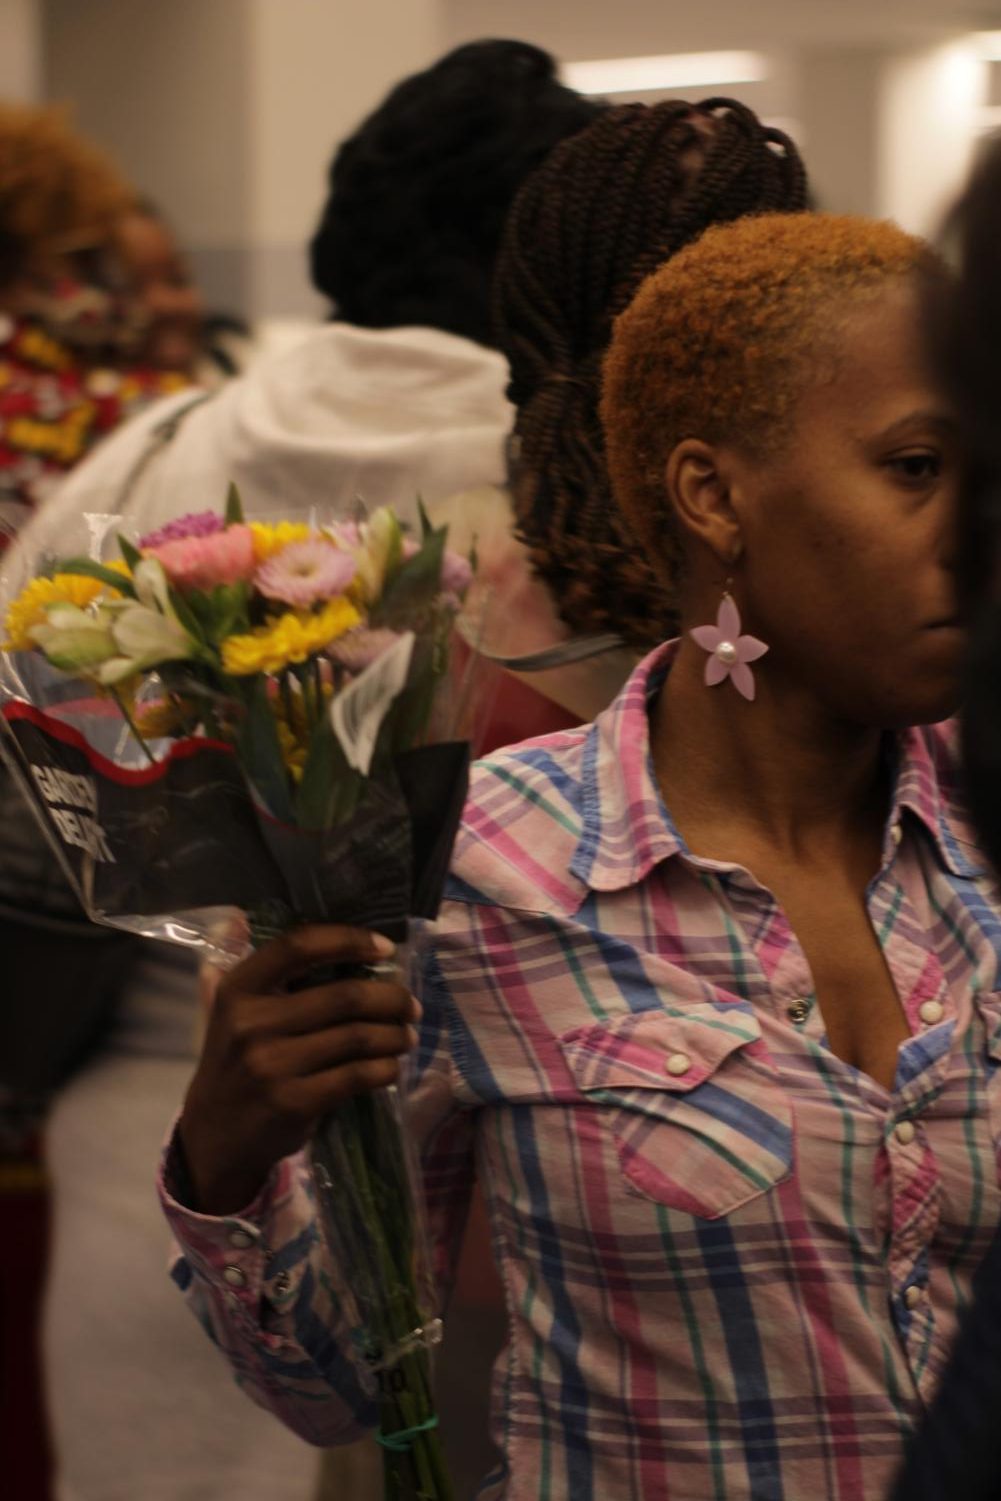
x,y
330,789
130,553
406,723
219,611
234,506
426,527
186,615
91,570
414,585
260,753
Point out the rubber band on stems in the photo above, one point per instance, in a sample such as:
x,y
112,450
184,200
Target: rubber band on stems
x,y
402,1441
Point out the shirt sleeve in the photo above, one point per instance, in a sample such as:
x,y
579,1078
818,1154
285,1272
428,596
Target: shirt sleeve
x,y
266,1287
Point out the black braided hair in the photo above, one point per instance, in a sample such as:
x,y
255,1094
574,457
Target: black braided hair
x,y
419,194
603,211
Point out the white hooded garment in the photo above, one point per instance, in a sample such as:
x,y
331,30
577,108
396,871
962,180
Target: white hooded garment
x,y
381,415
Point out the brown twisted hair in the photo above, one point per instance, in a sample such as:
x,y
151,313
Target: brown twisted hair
x,y
604,210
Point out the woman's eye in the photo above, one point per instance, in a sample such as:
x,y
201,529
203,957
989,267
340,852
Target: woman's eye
x,y
918,467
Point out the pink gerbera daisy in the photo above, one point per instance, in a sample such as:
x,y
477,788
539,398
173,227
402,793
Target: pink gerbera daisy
x,y
304,572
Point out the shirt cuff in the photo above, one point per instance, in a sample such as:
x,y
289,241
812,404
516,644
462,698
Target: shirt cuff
x,y
244,1255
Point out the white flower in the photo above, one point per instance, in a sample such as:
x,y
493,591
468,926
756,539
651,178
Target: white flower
x,y
72,639
379,548
146,631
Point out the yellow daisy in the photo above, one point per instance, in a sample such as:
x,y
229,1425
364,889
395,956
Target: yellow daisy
x,y
271,539
292,637
30,606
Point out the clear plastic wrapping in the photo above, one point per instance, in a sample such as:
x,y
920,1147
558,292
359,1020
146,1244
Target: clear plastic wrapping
x,y
215,753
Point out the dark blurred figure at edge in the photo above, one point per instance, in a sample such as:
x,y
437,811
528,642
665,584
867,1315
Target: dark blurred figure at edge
x,y
957,1454
98,318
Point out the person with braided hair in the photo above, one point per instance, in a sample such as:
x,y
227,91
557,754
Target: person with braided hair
x,y
711,1009
564,598
601,213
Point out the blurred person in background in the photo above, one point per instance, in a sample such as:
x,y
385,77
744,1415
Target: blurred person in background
x,y
72,329
398,395
178,332
401,393
71,369
957,1453
563,595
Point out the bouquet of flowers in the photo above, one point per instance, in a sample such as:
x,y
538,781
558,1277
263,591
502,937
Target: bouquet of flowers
x,y
231,714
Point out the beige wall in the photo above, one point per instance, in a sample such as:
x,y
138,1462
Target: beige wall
x,y
227,111
316,68
20,50
165,86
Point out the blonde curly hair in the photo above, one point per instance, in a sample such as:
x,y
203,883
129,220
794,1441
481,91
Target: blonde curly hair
x,y
718,343
56,189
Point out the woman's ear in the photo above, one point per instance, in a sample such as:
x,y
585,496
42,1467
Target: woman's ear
x,y
698,484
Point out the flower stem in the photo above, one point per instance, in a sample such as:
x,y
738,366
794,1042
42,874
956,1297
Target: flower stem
x,y
119,700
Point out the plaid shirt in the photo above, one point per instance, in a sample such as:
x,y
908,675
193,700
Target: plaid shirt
x,y
733,1263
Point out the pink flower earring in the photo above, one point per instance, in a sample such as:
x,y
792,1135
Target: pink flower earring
x,y
729,651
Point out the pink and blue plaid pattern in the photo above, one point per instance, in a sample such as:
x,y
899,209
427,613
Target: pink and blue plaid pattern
x,y
733,1264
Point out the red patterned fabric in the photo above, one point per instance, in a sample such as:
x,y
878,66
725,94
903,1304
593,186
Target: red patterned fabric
x,y
54,406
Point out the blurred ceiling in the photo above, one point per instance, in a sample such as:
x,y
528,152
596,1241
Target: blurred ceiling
x,y
578,29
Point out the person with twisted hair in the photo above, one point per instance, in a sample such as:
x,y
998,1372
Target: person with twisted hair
x,y
564,601
605,209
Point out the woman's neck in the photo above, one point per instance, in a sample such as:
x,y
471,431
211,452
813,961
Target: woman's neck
x,y
776,772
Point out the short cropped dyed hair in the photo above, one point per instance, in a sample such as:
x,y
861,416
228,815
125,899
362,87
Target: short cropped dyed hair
x,y
57,190
717,344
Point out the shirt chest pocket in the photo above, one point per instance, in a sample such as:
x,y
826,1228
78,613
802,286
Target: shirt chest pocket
x,y
988,1005
699,1119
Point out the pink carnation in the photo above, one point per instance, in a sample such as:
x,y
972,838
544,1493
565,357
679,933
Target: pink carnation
x,y
194,524
202,562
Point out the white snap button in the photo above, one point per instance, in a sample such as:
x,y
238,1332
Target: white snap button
x,y
896,833
678,1064
282,1284
931,1012
240,1240
234,1276
912,1297
905,1132
798,1012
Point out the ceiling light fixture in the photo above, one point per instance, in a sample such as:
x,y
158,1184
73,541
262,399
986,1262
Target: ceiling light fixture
x,y
989,46
673,70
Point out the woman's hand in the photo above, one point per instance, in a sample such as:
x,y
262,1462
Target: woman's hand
x,y
275,1060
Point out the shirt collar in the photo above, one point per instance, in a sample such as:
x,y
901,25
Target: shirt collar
x,y
927,786
627,829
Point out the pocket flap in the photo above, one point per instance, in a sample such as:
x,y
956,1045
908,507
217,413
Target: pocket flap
x,y
663,1049
988,1003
